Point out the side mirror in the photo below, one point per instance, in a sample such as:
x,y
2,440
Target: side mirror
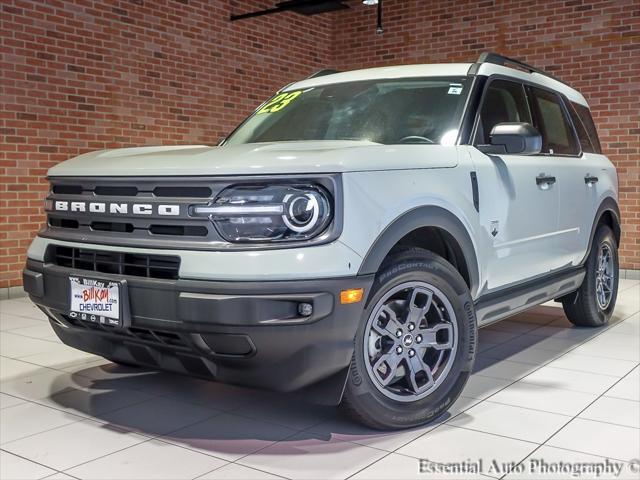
x,y
513,138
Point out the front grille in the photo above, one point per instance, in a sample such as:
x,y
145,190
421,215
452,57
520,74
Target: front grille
x,y
103,211
116,191
63,222
189,192
67,189
116,263
132,191
179,230
112,227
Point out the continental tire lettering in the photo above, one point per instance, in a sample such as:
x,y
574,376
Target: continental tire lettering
x,y
356,378
468,308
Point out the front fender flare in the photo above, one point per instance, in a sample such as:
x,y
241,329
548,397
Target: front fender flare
x,y
426,216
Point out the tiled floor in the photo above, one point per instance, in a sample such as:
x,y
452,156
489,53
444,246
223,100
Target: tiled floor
x,y
542,390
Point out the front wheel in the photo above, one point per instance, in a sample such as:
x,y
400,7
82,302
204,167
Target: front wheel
x,y
592,305
415,347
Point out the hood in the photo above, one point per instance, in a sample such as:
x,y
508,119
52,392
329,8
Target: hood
x,y
257,159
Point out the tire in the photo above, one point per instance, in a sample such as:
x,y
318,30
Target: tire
x,y
439,295
584,308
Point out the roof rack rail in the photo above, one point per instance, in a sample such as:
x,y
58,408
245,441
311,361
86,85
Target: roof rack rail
x,y
497,59
322,73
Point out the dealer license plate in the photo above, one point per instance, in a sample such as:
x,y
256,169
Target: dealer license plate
x,y
95,301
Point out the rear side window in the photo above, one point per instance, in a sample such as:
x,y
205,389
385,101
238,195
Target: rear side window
x,y
587,122
556,131
504,101
583,136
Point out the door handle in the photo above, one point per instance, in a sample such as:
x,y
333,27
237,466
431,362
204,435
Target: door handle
x,y
590,179
543,179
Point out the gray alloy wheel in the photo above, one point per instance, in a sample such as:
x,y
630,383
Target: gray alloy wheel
x,y
605,276
593,303
415,347
410,340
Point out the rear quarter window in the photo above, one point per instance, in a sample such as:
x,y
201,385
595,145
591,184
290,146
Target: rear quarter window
x,y
587,122
583,136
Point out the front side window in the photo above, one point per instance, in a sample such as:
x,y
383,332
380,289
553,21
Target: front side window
x,y
504,101
556,131
393,111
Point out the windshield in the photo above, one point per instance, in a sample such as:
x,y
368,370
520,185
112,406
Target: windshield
x,y
410,110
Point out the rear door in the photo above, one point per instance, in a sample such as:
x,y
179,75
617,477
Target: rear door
x,y
518,208
592,176
561,148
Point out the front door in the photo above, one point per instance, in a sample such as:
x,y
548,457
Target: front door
x,y
519,199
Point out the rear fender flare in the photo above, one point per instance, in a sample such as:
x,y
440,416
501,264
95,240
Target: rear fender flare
x,y
607,205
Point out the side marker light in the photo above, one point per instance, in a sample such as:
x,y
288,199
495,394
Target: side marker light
x,y
353,295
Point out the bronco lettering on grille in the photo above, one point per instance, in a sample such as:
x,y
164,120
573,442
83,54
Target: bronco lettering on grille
x,y
117,208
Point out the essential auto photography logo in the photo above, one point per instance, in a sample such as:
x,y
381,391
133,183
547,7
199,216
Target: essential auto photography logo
x,y
533,466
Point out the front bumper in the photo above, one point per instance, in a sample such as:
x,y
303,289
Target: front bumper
x,y
245,333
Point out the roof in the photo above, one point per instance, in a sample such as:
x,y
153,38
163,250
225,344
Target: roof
x,y
438,70
533,77
381,73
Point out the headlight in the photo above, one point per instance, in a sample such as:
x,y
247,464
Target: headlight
x,y
269,213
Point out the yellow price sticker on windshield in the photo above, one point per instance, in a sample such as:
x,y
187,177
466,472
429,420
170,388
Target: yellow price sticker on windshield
x,y
278,102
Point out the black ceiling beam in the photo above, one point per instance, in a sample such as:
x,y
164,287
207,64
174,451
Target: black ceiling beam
x,y
259,13
304,7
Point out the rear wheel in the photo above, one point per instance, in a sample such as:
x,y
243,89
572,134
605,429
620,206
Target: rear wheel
x,y
415,347
592,305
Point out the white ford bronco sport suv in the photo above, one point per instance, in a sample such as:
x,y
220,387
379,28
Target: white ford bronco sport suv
x,y
345,241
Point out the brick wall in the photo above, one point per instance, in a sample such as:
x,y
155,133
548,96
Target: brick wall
x,y
593,45
84,75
